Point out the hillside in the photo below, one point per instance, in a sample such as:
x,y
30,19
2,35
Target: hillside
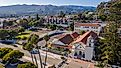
x,y
43,9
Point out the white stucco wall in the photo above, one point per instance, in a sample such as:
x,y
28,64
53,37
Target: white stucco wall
x,y
58,42
97,30
1,24
88,53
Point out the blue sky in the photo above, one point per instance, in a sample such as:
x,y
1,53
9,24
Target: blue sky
x,y
53,2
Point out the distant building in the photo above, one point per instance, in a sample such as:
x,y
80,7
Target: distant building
x,y
71,16
59,21
1,24
96,26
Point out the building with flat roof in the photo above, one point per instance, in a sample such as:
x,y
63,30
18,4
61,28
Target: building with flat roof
x,y
96,27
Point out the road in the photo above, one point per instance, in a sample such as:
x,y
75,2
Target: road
x,y
53,58
50,60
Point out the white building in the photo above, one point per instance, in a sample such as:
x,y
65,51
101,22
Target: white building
x,y
96,27
83,47
1,24
59,21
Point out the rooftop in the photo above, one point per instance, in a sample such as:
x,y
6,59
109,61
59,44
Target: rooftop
x,y
83,38
88,24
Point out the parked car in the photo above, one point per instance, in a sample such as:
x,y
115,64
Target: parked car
x,y
34,51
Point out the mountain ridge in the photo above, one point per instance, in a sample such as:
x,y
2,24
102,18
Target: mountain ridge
x,y
43,9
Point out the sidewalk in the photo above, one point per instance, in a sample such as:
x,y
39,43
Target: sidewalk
x,y
30,59
90,64
51,55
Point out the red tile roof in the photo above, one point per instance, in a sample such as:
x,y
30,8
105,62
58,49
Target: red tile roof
x,y
87,24
75,35
83,38
67,39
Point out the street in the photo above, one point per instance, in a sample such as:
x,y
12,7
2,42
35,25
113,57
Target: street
x,y
52,58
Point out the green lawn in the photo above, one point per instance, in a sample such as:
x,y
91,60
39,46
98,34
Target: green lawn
x,y
26,32
23,35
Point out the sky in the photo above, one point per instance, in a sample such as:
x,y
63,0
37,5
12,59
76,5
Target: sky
x,y
52,2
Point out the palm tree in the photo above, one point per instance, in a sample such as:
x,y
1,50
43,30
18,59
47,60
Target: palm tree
x,y
31,44
35,39
46,38
36,60
29,47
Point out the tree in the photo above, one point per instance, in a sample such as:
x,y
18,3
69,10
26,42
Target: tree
x,y
7,23
8,34
21,29
111,48
53,27
32,43
37,17
101,11
82,32
61,14
12,34
71,27
23,23
33,23
35,39
26,65
46,38
41,22
15,54
29,47
3,34
111,44
48,26
115,14
4,51
103,17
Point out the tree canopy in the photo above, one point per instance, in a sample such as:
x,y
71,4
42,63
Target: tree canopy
x,y
4,51
13,55
27,65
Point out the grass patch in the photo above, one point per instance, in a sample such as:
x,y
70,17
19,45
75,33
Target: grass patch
x,y
26,32
24,35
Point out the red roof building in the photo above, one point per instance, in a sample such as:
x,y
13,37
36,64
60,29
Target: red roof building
x,y
95,27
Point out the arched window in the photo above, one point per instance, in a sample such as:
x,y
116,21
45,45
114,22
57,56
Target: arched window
x,y
75,54
80,53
